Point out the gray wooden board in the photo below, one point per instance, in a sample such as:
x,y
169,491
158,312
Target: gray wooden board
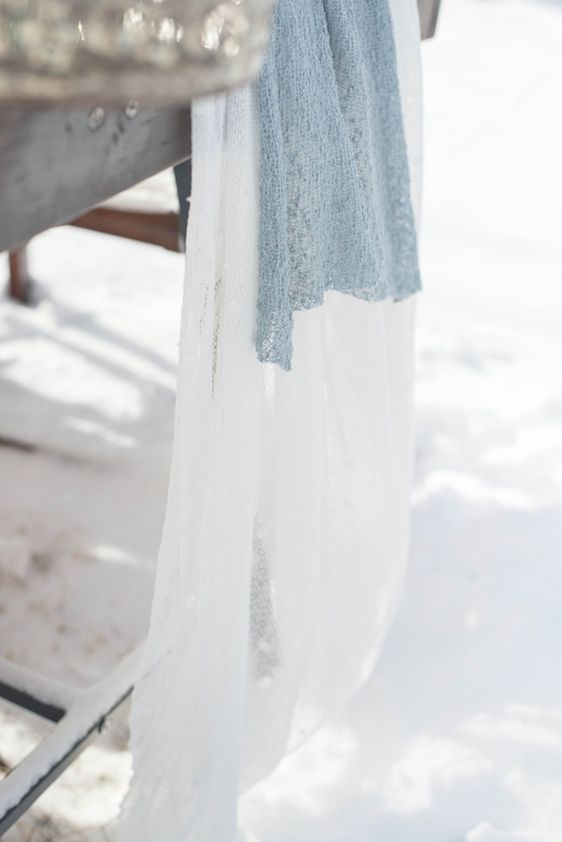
x,y
54,167
429,12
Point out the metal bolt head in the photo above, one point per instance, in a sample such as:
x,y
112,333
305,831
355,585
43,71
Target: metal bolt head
x,y
96,118
131,109
104,725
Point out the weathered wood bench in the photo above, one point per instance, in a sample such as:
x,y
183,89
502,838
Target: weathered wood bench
x,y
56,166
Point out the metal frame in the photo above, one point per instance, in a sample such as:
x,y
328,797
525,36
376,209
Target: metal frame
x,y
27,701
78,717
12,814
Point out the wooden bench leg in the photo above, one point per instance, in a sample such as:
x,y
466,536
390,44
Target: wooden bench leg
x,y
19,282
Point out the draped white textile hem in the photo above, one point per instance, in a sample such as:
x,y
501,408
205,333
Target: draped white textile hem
x,y
286,533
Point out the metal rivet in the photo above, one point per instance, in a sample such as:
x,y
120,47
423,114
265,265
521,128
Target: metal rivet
x,y
131,109
104,725
96,118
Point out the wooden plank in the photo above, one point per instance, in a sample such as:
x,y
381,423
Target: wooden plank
x,y
429,13
19,282
57,164
160,229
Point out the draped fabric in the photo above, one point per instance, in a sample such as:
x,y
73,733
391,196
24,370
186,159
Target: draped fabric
x,y
285,539
335,186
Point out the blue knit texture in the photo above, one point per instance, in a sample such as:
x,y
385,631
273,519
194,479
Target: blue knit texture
x,y
336,211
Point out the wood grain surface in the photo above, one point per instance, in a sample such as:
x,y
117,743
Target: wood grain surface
x,y
55,167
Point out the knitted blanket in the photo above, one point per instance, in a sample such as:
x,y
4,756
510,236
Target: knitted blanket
x,y
335,186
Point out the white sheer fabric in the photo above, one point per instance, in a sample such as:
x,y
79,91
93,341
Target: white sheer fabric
x,y
284,546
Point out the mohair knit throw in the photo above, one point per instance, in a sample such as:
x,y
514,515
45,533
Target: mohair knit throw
x,y
335,187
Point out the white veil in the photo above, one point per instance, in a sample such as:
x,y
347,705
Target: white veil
x,y
286,532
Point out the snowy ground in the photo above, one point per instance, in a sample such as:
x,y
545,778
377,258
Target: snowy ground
x,y
458,738
88,378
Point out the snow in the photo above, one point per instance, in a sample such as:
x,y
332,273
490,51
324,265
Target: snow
x,y
87,390
458,736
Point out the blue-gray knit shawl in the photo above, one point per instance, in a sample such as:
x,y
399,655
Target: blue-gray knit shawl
x,y
336,211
